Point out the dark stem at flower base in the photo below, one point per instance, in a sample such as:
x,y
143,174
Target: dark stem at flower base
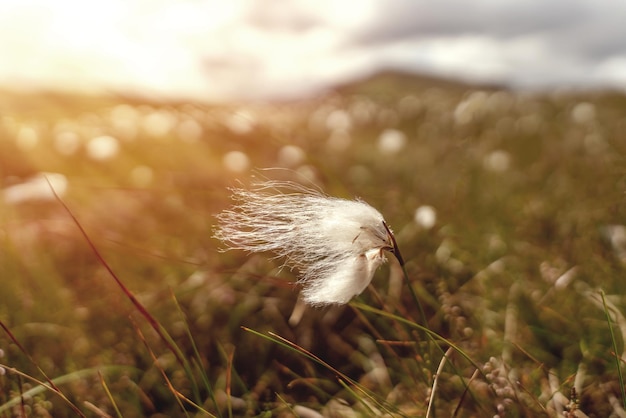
x,y
395,250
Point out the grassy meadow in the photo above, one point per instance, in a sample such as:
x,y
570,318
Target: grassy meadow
x,y
508,207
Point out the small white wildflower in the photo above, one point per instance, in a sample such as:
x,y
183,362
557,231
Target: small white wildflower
x,y
335,244
291,155
583,113
41,187
236,161
102,148
426,216
497,161
391,141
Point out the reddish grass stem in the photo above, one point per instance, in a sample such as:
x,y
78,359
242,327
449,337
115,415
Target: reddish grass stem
x,y
142,309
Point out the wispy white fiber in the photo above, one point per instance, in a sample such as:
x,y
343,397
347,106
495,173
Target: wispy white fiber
x,y
336,245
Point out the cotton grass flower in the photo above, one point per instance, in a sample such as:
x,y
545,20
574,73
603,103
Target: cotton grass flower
x,y
336,245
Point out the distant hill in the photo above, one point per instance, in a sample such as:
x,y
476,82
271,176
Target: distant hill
x,y
393,82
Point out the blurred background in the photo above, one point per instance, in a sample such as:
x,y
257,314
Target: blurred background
x,y
490,135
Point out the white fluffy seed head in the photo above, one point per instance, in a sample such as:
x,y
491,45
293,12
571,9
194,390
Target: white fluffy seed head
x,y
335,244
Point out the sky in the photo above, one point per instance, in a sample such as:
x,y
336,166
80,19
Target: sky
x,y
216,50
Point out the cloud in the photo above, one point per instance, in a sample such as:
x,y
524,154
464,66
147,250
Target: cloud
x,y
219,50
502,19
523,43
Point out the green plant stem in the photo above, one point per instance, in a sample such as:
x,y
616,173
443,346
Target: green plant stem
x,y
617,359
414,295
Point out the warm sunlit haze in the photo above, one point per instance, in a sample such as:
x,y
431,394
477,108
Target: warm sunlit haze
x,y
313,209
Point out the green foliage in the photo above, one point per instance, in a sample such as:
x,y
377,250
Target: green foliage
x,y
520,279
